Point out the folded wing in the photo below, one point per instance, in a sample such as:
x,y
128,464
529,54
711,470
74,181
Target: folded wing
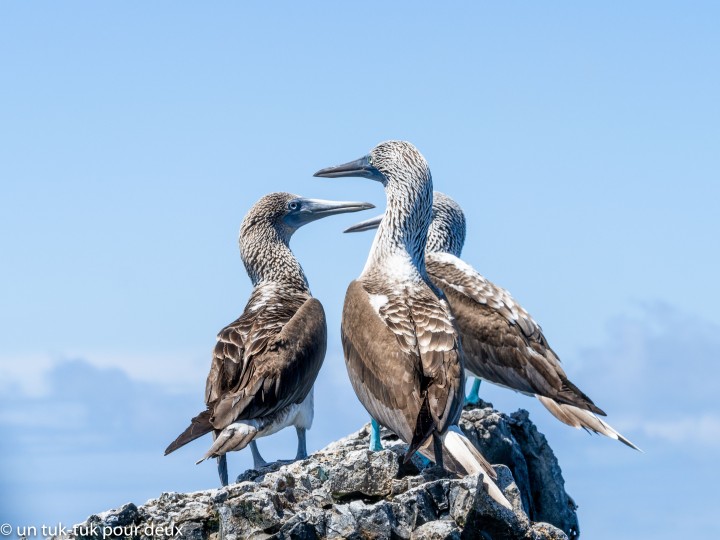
x,y
502,343
266,360
402,355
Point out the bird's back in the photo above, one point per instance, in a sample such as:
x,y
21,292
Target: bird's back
x,y
268,358
264,361
403,356
501,341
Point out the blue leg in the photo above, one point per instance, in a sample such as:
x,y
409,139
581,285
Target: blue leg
x,y
302,446
222,469
438,449
473,398
258,461
375,444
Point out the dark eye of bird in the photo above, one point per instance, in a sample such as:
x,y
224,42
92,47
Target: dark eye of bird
x,y
293,205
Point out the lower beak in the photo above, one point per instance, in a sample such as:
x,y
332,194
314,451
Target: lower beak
x,y
367,225
314,209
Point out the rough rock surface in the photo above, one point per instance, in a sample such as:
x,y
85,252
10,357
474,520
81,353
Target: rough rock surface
x,y
346,491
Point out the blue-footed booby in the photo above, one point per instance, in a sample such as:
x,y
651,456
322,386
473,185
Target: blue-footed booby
x,y
265,363
503,344
402,351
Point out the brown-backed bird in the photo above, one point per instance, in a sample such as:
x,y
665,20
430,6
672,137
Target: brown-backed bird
x,y
503,344
402,351
265,363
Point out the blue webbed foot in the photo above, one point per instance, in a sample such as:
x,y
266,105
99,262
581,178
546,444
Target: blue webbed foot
x,y
473,398
375,443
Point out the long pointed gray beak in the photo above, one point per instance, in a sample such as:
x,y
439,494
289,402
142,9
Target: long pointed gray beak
x,y
304,211
360,167
367,225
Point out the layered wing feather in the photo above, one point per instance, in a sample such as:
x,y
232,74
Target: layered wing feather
x,y
502,342
264,361
403,357
267,359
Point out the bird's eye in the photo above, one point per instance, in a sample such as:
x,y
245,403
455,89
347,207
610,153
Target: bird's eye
x,y
293,205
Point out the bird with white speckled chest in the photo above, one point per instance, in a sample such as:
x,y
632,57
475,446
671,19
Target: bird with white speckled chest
x,y
402,351
503,344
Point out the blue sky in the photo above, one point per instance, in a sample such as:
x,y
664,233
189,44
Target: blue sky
x,y
581,140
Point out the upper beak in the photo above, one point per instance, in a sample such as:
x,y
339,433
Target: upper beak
x,y
313,209
359,167
367,225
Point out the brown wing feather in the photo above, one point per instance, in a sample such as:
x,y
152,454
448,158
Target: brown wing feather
x,y
440,353
199,426
279,373
383,370
448,271
247,337
502,343
264,361
402,356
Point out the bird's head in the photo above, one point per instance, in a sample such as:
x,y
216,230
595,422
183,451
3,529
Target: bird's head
x,y
405,174
390,162
267,228
447,228
285,213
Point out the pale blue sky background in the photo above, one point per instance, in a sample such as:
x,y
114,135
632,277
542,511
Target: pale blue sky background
x,y
582,140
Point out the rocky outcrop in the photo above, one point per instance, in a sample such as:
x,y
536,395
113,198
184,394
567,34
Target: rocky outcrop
x,y
346,491
515,441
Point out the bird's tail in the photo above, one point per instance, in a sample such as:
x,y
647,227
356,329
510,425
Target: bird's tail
x,y
580,418
199,426
236,436
464,458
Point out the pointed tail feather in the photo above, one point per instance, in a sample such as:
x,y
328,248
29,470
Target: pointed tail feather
x,y
236,436
199,426
465,453
573,394
579,418
424,426
451,464
458,463
460,447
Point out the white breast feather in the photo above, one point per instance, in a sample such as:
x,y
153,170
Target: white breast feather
x,y
377,301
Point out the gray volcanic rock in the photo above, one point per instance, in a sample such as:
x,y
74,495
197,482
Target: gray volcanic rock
x,y
363,472
515,441
346,491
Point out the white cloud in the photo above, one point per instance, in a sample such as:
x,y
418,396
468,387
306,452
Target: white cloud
x,y
703,429
177,371
657,365
26,373
37,415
